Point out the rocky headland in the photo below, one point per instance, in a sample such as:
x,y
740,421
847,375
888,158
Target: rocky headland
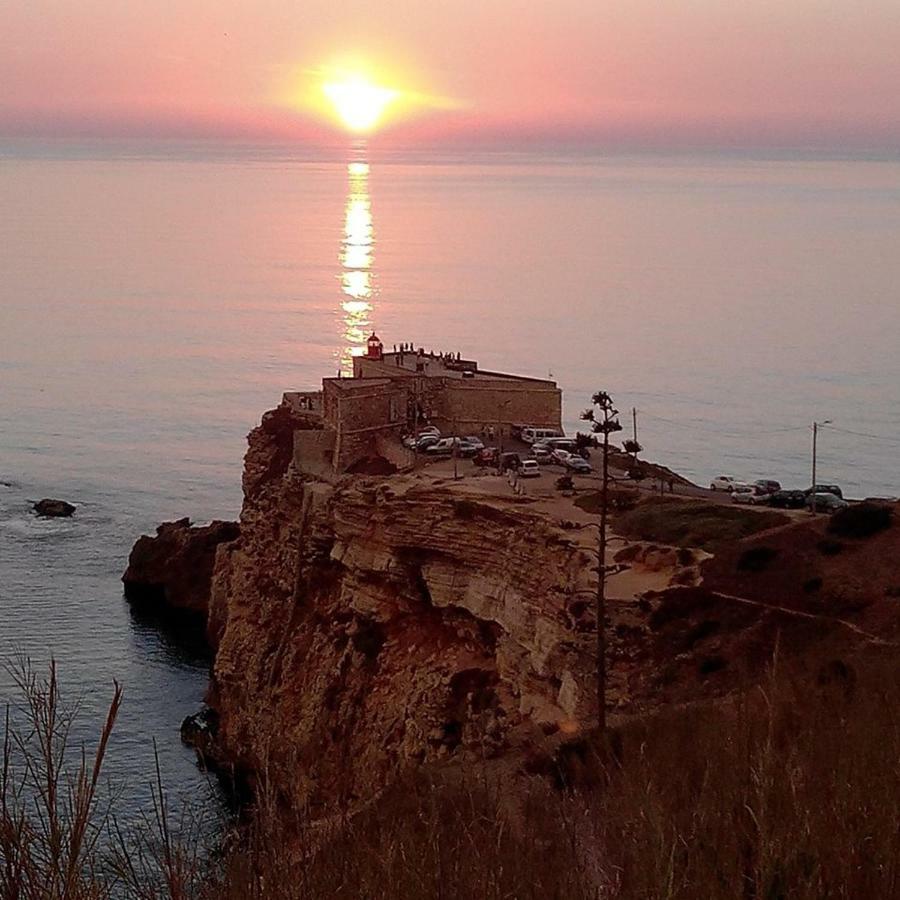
x,y
364,625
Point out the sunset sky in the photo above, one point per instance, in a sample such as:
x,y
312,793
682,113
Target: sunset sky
x,y
515,72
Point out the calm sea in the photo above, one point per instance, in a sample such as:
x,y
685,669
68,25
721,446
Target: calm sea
x,y
153,304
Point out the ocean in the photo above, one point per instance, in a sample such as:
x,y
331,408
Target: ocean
x,y
155,301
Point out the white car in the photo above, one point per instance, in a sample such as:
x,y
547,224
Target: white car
x,y
724,483
541,454
529,469
560,457
745,493
475,441
441,446
561,444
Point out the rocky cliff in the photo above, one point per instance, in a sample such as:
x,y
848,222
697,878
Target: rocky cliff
x,y
368,624
170,572
377,623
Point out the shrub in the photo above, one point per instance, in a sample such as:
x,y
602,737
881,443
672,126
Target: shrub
x,y
711,664
861,520
693,523
828,547
701,631
756,559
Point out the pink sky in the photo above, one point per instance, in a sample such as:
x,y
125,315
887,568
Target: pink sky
x,y
660,72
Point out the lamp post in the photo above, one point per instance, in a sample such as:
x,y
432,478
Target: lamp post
x,y
815,440
500,407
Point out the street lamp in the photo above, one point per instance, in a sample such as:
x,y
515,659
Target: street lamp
x,y
500,407
816,427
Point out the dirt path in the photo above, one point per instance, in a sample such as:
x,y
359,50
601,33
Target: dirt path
x,y
871,638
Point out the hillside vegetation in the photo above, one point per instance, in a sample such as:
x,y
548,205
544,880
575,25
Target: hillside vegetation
x,y
790,790
683,522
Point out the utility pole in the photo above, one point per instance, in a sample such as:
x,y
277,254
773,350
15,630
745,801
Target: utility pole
x,y
416,428
455,450
634,427
500,407
815,438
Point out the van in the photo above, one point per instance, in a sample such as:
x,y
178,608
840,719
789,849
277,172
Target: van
x,y
531,433
561,443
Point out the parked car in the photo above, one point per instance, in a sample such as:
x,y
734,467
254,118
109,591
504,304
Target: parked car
x,y
826,489
560,457
578,465
766,486
487,456
430,429
749,494
475,441
529,469
447,446
531,433
560,443
541,454
426,441
787,499
825,502
724,483
510,461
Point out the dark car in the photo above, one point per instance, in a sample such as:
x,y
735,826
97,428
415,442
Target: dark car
x,y
788,499
510,461
825,502
766,486
578,465
825,489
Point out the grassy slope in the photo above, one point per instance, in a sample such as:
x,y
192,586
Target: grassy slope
x,y
692,523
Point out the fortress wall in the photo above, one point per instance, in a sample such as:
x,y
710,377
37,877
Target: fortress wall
x,y
478,403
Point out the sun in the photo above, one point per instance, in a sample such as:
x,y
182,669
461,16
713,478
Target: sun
x,y
359,104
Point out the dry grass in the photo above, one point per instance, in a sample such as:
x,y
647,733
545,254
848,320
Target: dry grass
x,y
791,790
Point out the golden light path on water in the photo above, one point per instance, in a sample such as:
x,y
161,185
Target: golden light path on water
x,y
356,258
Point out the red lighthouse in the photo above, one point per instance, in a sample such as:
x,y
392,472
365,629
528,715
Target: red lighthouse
x,y
374,347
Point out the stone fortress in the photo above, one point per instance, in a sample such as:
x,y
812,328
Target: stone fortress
x,y
398,392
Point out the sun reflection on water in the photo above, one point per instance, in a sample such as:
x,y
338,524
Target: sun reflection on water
x,y
356,275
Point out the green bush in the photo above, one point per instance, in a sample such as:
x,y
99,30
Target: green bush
x,y
861,520
756,559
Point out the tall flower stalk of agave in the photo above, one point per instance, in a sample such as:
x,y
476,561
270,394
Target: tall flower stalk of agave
x,y
604,419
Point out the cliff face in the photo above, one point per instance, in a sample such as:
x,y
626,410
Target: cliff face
x,y
371,624
377,623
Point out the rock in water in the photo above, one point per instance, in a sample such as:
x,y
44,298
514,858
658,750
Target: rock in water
x,y
172,571
56,509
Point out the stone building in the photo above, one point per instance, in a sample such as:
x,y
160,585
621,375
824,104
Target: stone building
x,y
397,392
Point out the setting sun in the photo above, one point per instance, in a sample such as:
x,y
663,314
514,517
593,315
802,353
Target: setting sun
x,y
359,104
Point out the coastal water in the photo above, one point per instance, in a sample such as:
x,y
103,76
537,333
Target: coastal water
x,y
153,304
